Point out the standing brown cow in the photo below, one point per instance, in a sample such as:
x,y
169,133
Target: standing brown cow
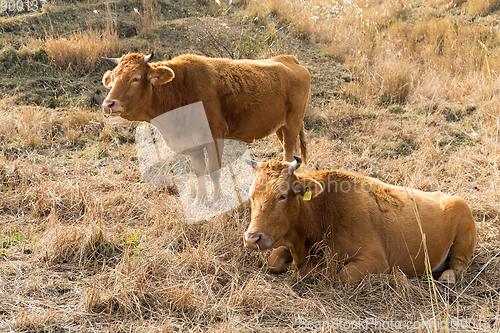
x,y
243,99
371,226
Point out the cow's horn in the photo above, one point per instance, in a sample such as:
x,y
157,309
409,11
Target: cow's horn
x,y
295,164
112,60
150,57
253,164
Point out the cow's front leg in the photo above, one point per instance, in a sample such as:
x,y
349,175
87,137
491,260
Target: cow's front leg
x,y
215,151
198,161
355,270
280,260
299,255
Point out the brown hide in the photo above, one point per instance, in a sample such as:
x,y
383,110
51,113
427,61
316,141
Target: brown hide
x,y
371,226
244,99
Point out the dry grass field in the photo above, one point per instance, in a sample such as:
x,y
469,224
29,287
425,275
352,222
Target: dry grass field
x,y
406,91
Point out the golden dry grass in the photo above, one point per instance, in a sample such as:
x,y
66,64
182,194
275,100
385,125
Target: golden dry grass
x,y
482,7
393,47
100,247
147,17
88,247
81,52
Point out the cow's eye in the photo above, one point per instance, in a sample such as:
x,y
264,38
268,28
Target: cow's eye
x,y
282,197
135,79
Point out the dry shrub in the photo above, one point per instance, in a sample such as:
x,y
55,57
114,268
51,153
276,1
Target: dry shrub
x,y
482,7
217,39
369,34
148,18
76,244
34,321
80,53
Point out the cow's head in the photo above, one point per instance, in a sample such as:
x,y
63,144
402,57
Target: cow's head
x,y
275,195
131,84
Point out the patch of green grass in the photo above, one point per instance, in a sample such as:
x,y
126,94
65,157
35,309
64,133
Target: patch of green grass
x,y
455,139
369,115
457,113
396,109
15,238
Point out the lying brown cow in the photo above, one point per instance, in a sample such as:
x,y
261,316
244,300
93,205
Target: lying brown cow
x,y
371,226
243,99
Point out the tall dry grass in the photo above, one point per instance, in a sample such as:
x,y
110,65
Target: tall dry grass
x,y
147,17
482,7
86,246
80,52
394,47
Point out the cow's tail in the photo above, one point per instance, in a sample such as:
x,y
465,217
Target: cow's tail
x,y
303,145
302,135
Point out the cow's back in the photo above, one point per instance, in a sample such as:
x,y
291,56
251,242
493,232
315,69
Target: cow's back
x,y
257,96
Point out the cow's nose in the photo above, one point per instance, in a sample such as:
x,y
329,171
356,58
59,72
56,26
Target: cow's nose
x,y
253,241
108,103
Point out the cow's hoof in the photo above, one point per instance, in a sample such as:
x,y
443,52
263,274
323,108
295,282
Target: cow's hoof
x,y
280,260
448,277
218,201
200,201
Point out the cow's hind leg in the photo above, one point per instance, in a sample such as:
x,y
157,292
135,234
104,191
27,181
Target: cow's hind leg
x,y
280,260
464,242
198,161
279,134
460,254
290,134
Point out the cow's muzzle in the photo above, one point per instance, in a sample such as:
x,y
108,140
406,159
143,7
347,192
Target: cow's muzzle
x,y
112,107
257,241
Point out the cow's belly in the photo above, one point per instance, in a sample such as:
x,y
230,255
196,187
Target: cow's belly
x,y
250,134
256,122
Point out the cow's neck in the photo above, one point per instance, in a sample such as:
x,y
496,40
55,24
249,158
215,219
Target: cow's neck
x,y
324,215
172,95
314,219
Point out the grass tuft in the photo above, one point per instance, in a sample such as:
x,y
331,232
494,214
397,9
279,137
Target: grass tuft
x,y
482,7
81,52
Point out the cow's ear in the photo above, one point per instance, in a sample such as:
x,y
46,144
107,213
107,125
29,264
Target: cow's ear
x,y
307,188
106,80
160,75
